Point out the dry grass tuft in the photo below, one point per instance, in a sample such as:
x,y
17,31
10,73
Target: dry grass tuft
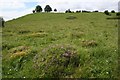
x,y
18,51
77,34
37,34
91,43
17,54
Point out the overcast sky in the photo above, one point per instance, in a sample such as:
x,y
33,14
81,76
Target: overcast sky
x,y
10,9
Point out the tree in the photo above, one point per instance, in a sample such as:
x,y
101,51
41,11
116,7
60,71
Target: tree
x,y
77,11
112,11
33,11
68,11
96,11
106,12
47,8
38,8
118,14
55,10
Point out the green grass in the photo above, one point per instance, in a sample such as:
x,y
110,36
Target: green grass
x,y
33,46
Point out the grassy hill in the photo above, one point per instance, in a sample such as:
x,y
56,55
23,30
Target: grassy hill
x,y
71,45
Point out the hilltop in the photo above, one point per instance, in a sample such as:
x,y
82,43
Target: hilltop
x,y
65,45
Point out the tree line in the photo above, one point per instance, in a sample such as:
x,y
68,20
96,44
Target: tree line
x,y
49,9
46,9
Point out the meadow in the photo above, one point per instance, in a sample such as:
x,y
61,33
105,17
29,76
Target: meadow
x,y
62,45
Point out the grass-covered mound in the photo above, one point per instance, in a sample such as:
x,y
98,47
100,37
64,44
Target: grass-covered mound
x,y
57,61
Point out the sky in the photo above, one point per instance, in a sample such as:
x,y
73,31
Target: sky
x,y
10,9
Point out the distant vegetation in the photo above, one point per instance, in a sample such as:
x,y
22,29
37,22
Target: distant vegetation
x,y
96,11
38,8
68,11
106,12
48,8
118,14
55,10
112,11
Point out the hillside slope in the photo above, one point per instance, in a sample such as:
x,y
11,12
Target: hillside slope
x,y
71,45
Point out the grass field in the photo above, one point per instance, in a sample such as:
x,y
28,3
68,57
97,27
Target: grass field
x,y
64,45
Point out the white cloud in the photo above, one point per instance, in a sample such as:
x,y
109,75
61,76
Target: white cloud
x,y
11,4
14,14
62,5
13,9
10,8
